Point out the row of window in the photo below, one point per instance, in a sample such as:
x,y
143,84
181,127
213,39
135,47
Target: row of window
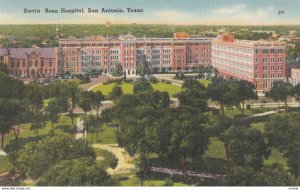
x,y
271,51
272,60
36,64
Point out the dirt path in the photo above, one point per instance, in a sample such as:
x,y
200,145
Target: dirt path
x,y
79,133
124,166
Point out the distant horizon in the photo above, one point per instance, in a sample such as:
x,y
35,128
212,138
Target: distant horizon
x,y
112,24
166,12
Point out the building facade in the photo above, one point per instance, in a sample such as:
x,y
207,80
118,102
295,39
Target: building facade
x,y
259,62
30,61
295,75
161,54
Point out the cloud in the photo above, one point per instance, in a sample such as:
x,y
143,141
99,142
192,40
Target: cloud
x,y
229,10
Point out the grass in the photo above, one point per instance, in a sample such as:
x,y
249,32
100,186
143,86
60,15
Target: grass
x,y
107,135
259,126
136,182
276,157
235,113
107,157
127,88
172,89
215,149
205,82
5,165
62,126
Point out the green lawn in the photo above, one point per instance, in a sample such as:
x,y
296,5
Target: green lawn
x,y
215,149
170,88
62,126
136,182
5,165
106,135
276,157
259,126
127,88
205,82
104,164
234,112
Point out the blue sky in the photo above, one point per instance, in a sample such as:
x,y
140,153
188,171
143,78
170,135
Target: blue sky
x,y
187,12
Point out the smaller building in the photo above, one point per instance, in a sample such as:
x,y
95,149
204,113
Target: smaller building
x,y
30,61
295,75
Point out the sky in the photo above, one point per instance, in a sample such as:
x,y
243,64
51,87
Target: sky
x,y
176,12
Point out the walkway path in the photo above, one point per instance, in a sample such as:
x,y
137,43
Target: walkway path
x,y
123,158
2,153
265,113
79,133
188,173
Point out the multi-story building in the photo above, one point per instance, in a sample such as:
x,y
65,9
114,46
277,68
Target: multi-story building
x,y
295,75
161,54
30,61
259,62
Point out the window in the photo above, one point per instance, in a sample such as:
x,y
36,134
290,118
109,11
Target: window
x,y
265,75
272,75
265,60
265,51
265,68
36,63
265,85
279,51
256,51
50,63
23,63
279,75
272,68
279,60
272,51
279,68
256,60
42,64
272,60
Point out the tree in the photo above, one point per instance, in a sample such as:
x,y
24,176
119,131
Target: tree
x,y
70,93
115,93
220,125
240,91
280,92
97,97
296,90
141,85
90,123
142,69
218,91
193,94
274,175
118,70
11,104
155,99
3,68
85,101
246,147
48,152
242,176
53,109
76,172
9,107
283,133
186,135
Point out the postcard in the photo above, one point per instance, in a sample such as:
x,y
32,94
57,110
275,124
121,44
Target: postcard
x,y
138,93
